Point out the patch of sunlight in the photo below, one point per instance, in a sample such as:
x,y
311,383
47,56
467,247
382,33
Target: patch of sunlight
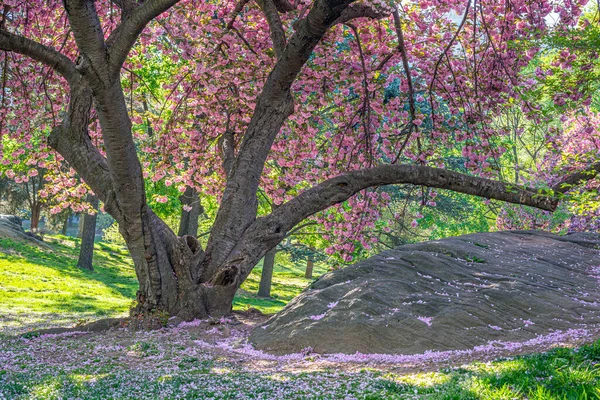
x,y
221,370
86,378
486,391
424,380
165,378
278,378
47,389
503,367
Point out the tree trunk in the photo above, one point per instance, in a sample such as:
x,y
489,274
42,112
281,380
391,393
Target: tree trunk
x,y
80,226
309,265
168,270
36,213
86,252
65,225
188,225
266,277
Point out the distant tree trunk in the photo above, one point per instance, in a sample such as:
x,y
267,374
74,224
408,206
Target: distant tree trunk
x,y
86,252
65,225
309,265
80,226
36,213
188,224
264,288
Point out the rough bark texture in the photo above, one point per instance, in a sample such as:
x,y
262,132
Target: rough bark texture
x,y
65,225
310,262
266,277
36,214
88,234
188,225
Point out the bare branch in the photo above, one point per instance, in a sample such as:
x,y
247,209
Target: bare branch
x,y
238,9
411,90
37,51
444,53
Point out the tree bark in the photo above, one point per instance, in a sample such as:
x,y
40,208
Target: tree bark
x,y
266,277
80,226
65,225
36,214
168,269
188,224
86,252
309,265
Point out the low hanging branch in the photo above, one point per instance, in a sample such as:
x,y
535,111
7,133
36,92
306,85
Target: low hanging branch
x,y
267,231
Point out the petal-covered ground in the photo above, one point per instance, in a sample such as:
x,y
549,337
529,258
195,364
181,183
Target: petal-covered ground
x,y
212,359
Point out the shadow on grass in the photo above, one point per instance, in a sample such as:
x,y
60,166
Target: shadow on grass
x,y
112,268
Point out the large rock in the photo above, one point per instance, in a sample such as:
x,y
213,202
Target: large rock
x,y
11,228
449,294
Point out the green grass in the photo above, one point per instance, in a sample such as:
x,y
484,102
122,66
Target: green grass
x,y
288,282
39,284
561,374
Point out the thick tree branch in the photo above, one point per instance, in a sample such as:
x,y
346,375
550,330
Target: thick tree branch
x,y
274,105
284,6
37,51
72,141
126,6
122,39
339,189
361,11
575,178
267,231
227,148
275,26
85,23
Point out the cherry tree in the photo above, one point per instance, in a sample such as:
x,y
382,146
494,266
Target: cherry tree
x,y
316,103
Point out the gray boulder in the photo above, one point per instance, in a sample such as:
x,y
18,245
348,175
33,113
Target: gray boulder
x,y
450,294
11,228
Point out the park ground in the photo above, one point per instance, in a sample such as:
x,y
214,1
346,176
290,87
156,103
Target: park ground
x,y
41,287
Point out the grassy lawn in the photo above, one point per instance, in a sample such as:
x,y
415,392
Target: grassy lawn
x,y
38,284
43,287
